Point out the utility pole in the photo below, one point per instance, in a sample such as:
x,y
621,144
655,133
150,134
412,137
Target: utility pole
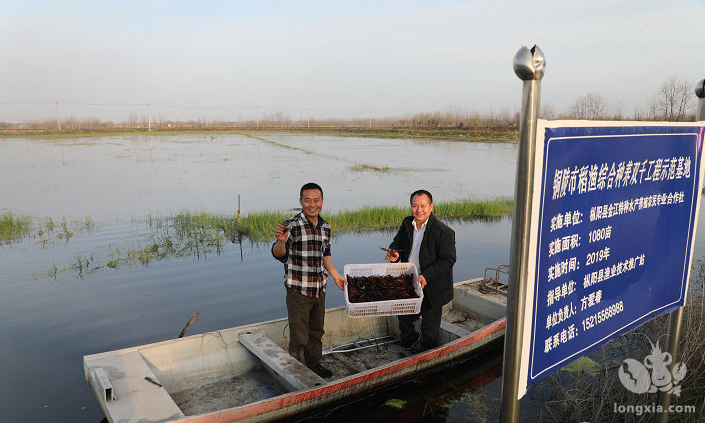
x,y
529,66
58,117
149,119
258,116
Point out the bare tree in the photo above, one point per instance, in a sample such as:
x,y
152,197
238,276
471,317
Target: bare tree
x,y
591,106
548,111
674,100
617,111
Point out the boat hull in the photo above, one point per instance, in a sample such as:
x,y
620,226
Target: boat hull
x,y
189,363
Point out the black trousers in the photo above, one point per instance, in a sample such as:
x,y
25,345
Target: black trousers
x,y
430,325
306,315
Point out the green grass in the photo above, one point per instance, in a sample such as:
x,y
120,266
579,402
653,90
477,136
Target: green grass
x,y
465,209
13,227
260,226
196,235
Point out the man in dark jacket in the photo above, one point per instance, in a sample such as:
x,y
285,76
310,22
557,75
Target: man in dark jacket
x,y
430,244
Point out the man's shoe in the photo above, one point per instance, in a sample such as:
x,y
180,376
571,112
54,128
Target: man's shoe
x,y
420,347
410,344
321,371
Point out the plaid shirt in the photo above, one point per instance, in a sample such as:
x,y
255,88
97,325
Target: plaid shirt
x,y
306,246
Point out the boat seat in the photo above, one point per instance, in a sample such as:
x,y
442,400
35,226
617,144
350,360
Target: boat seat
x,y
290,371
454,329
130,394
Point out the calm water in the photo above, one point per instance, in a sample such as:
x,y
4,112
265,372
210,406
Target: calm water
x,y
105,188
51,314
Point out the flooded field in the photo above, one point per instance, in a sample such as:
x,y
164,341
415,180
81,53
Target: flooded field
x,y
100,193
90,197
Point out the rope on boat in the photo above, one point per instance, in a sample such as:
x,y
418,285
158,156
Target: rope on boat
x,y
361,344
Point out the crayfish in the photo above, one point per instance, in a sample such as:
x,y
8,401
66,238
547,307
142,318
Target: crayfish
x,y
362,289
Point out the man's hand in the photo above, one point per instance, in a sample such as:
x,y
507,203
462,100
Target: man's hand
x,y
392,256
421,281
340,281
282,231
337,277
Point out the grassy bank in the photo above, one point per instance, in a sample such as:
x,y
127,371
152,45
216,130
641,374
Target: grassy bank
x,y
469,134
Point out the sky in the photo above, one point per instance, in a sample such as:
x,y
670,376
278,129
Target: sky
x,y
333,59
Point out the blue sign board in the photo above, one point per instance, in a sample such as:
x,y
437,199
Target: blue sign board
x,y
613,221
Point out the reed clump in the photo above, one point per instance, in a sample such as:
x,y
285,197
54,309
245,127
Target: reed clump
x,y
260,226
461,209
13,227
367,167
197,234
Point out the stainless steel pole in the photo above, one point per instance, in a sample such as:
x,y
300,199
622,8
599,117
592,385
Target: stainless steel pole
x,y
675,319
529,66
700,93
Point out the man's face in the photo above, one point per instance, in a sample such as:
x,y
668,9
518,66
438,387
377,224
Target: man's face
x,y
421,207
312,203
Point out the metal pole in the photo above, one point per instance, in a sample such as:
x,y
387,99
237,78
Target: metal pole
x,y
529,66
675,319
700,93
58,117
239,219
674,333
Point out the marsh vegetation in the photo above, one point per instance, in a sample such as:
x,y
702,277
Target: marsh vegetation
x,y
198,234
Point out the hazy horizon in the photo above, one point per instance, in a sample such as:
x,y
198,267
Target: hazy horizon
x,y
223,60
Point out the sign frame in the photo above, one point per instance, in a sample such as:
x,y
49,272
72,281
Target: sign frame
x,y
584,130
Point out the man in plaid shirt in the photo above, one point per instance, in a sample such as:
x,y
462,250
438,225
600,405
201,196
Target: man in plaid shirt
x,y
303,245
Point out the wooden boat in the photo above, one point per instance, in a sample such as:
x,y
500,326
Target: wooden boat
x,y
245,374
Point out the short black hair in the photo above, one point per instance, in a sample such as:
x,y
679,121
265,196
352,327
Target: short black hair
x,y
310,185
419,192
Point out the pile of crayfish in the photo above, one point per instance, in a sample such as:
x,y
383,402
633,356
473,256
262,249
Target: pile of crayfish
x,y
362,289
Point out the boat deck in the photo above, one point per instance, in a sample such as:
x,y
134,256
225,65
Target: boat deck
x,y
233,392
258,384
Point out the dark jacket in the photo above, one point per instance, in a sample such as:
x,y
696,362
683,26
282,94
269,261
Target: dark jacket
x,y
436,257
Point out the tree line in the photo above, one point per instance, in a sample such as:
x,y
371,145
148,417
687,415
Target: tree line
x,y
673,101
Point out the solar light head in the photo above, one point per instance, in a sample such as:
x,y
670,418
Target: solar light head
x,y
529,63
